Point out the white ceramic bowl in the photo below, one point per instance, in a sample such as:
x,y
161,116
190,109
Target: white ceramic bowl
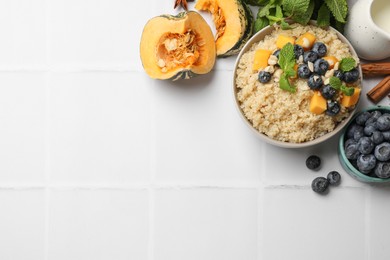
x,y
258,37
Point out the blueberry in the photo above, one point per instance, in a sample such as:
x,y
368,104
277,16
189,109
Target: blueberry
x,y
383,122
351,76
349,142
320,49
352,151
362,118
276,53
328,92
304,71
332,108
377,137
334,177
315,82
366,162
382,151
365,145
321,66
319,184
370,129
382,170
313,162
376,114
386,135
298,51
352,129
264,76
358,134
339,74
310,56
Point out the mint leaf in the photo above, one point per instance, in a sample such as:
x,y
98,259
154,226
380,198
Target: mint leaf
x,y
293,7
265,10
323,18
287,57
284,84
335,83
256,2
348,91
285,25
260,23
305,17
279,12
347,64
339,9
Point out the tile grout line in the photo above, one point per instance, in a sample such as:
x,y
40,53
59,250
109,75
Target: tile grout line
x,y
47,133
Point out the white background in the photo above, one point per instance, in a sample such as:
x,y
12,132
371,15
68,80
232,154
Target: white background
x,y
97,161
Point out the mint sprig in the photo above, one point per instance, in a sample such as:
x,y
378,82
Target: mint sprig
x,y
336,83
347,64
323,18
286,63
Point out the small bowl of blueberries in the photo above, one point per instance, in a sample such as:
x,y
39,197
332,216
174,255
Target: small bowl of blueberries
x,y
364,146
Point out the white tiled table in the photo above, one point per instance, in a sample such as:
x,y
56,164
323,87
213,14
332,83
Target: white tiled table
x,y
97,161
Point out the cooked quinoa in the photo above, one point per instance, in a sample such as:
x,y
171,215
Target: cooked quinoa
x,y
277,113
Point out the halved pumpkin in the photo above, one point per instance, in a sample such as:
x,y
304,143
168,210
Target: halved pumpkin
x,y
175,47
233,21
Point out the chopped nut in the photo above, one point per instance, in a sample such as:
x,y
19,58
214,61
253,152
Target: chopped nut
x,y
277,73
300,59
269,69
273,60
326,81
329,73
311,66
336,66
315,78
305,42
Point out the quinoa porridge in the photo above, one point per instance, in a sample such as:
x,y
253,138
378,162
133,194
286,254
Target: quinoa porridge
x,y
280,114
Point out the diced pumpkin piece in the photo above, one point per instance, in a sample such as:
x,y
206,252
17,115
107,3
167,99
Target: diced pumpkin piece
x,y
306,40
283,40
296,71
261,59
348,101
332,60
317,103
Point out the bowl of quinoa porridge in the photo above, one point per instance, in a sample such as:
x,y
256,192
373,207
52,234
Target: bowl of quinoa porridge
x,y
297,87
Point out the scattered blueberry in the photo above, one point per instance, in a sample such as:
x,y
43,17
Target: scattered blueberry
x,y
298,51
382,151
377,137
319,184
382,170
351,76
304,71
328,92
264,76
310,56
315,82
366,162
362,118
313,162
339,74
320,49
332,108
321,66
334,177
366,145
383,122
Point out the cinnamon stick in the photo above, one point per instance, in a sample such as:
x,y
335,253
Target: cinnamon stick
x,y
379,91
376,69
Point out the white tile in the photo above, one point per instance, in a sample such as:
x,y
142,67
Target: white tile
x,y
22,224
208,224
300,224
100,127
22,26
90,32
378,222
22,114
98,224
199,134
